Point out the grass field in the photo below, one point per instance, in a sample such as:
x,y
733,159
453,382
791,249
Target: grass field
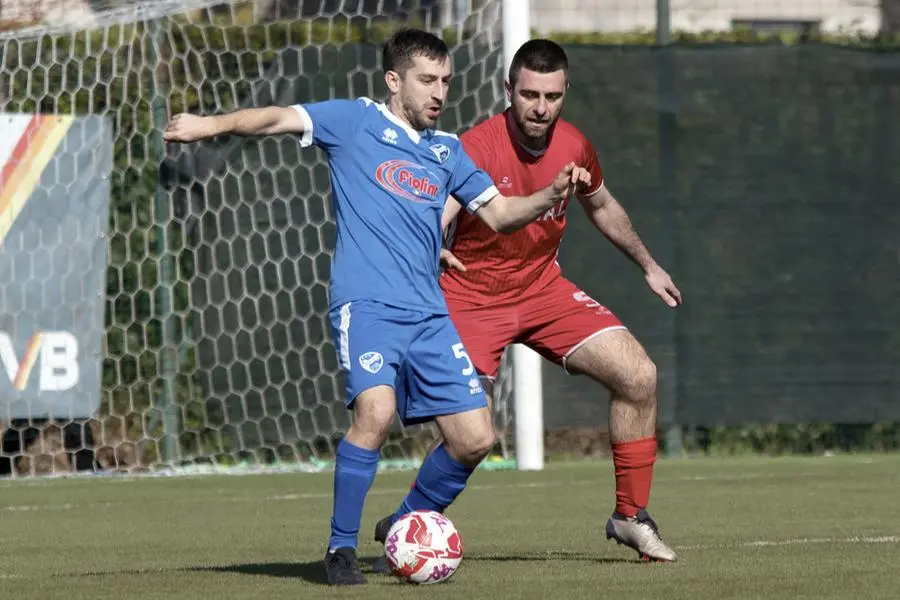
x,y
745,528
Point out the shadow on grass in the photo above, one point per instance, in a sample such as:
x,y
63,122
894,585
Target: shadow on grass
x,y
314,571
551,557
310,571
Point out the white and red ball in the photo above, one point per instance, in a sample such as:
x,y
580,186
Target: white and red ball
x,y
423,547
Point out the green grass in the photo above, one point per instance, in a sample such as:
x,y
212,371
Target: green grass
x,y
745,528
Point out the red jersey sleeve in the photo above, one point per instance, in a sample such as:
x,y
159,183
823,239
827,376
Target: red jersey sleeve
x,y
592,164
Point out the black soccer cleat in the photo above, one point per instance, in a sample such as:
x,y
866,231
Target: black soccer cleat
x,y
382,528
342,568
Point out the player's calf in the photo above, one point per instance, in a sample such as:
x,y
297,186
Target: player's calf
x,y
619,362
468,438
355,467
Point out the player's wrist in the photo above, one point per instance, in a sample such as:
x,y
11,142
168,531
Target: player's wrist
x,y
225,124
556,194
648,265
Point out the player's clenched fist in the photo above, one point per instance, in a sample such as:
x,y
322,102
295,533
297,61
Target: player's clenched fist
x,y
572,177
189,128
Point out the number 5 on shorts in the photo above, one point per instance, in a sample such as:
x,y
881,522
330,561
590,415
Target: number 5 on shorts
x,y
459,351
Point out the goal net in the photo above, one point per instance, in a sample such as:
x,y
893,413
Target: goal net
x,y
215,349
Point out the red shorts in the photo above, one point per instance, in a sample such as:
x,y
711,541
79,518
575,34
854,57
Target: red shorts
x,y
555,322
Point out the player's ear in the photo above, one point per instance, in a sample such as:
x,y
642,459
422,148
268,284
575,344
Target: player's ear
x,y
509,90
392,79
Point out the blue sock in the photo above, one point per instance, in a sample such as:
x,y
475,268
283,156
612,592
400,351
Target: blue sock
x,y
441,479
354,473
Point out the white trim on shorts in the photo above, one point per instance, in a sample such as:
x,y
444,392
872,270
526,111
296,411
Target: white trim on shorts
x,y
344,336
574,348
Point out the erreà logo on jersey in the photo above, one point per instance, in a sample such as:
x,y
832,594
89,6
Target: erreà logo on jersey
x,y
407,180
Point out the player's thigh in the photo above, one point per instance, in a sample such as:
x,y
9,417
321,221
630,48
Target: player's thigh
x,y
371,344
562,320
440,377
485,331
616,359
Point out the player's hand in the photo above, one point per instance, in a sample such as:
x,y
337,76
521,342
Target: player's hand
x,y
449,261
572,178
662,285
189,128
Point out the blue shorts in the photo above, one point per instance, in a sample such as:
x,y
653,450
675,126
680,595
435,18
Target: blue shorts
x,y
420,355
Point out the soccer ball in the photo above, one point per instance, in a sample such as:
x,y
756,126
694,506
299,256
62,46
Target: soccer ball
x,y
423,547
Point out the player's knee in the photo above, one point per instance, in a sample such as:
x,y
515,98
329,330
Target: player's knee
x,y
474,447
482,444
374,412
642,383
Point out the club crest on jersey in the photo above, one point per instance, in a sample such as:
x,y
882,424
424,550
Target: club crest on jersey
x,y
371,361
441,151
408,180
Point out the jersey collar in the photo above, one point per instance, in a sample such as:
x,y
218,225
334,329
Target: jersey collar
x,y
414,135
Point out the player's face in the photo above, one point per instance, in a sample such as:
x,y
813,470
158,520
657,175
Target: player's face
x,y
537,101
422,91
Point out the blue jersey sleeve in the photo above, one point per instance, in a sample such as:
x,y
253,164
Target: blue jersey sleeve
x,y
471,186
331,123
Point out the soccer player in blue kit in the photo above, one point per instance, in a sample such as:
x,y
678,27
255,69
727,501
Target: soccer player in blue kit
x,y
391,172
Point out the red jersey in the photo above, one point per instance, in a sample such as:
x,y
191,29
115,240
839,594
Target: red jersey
x,y
504,267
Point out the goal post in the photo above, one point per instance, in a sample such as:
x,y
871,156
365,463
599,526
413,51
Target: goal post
x,y
214,349
527,384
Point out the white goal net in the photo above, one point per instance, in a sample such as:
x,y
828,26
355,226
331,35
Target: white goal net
x,y
215,347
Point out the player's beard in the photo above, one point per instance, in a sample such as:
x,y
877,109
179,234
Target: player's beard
x,y
535,132
420,117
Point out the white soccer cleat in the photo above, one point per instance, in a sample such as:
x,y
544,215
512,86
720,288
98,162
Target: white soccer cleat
x,y
640,533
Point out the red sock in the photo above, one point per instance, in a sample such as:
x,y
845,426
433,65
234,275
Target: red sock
x,y
634,472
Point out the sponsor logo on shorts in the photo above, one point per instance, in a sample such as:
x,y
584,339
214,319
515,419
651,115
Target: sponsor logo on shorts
x,y
371,361
589,302
475,386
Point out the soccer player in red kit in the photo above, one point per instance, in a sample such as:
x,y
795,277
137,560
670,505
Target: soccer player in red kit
x,y
507,287
504,289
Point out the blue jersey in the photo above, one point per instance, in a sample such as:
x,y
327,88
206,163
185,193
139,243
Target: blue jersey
x,y
389,184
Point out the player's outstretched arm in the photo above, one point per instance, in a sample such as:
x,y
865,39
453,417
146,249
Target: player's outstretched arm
x,y
506,214
610,218
249,121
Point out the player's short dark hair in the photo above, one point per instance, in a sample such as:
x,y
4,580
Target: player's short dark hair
x,y
405,44
540,56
